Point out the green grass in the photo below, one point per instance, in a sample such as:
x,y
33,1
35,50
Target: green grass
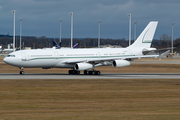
x,y
89,99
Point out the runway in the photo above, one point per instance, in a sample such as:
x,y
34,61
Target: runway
x,y
82,76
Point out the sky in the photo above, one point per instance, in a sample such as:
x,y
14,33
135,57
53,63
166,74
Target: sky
x,y
42,17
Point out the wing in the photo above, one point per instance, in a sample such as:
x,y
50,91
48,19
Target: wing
x,y
99,60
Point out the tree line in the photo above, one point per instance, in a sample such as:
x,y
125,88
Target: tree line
x,y
43,42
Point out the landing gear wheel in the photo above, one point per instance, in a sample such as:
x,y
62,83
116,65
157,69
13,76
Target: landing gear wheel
x,y
97,73
92,72
21,72
74,72
69,71
86,72
77,72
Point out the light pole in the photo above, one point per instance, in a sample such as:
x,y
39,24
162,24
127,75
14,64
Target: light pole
x,y
60,31
135,30
20,32
99,34
14,31
129,15
71,29
16,41
172,38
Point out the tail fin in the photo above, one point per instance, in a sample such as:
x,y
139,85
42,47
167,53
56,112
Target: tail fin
x,y
146,37
56,46
75,46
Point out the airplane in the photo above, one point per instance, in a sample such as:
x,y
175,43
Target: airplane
x,y
7,50
55,45
75,46
84,59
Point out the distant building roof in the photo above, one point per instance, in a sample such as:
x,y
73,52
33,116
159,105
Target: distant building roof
x,y
27,48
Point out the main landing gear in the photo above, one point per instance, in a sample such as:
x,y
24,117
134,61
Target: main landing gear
x,y
86,72
94,72
74,72
21,72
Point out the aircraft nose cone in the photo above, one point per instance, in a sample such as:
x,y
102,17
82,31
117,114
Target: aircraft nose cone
x,y
11,61
8,60
5,60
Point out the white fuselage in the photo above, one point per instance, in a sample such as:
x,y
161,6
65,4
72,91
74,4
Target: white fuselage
x,y
84,59
58,57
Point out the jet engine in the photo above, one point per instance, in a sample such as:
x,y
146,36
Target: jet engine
x,y
120,63
83,66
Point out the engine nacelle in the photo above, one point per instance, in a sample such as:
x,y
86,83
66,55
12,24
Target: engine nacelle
x,y
82,66
120,63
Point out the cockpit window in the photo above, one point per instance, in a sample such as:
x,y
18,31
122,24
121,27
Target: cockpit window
x,y
10,55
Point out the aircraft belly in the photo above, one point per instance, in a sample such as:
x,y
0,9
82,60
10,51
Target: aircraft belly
x,y
64,65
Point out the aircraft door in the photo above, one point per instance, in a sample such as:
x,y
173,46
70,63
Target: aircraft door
x,y
99,54
56,55
23,56
130,52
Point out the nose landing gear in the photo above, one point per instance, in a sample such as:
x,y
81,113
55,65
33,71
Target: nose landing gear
x,y
21,72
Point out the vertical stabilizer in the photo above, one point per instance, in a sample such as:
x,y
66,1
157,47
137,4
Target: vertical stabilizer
x,y
146,37
55,45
